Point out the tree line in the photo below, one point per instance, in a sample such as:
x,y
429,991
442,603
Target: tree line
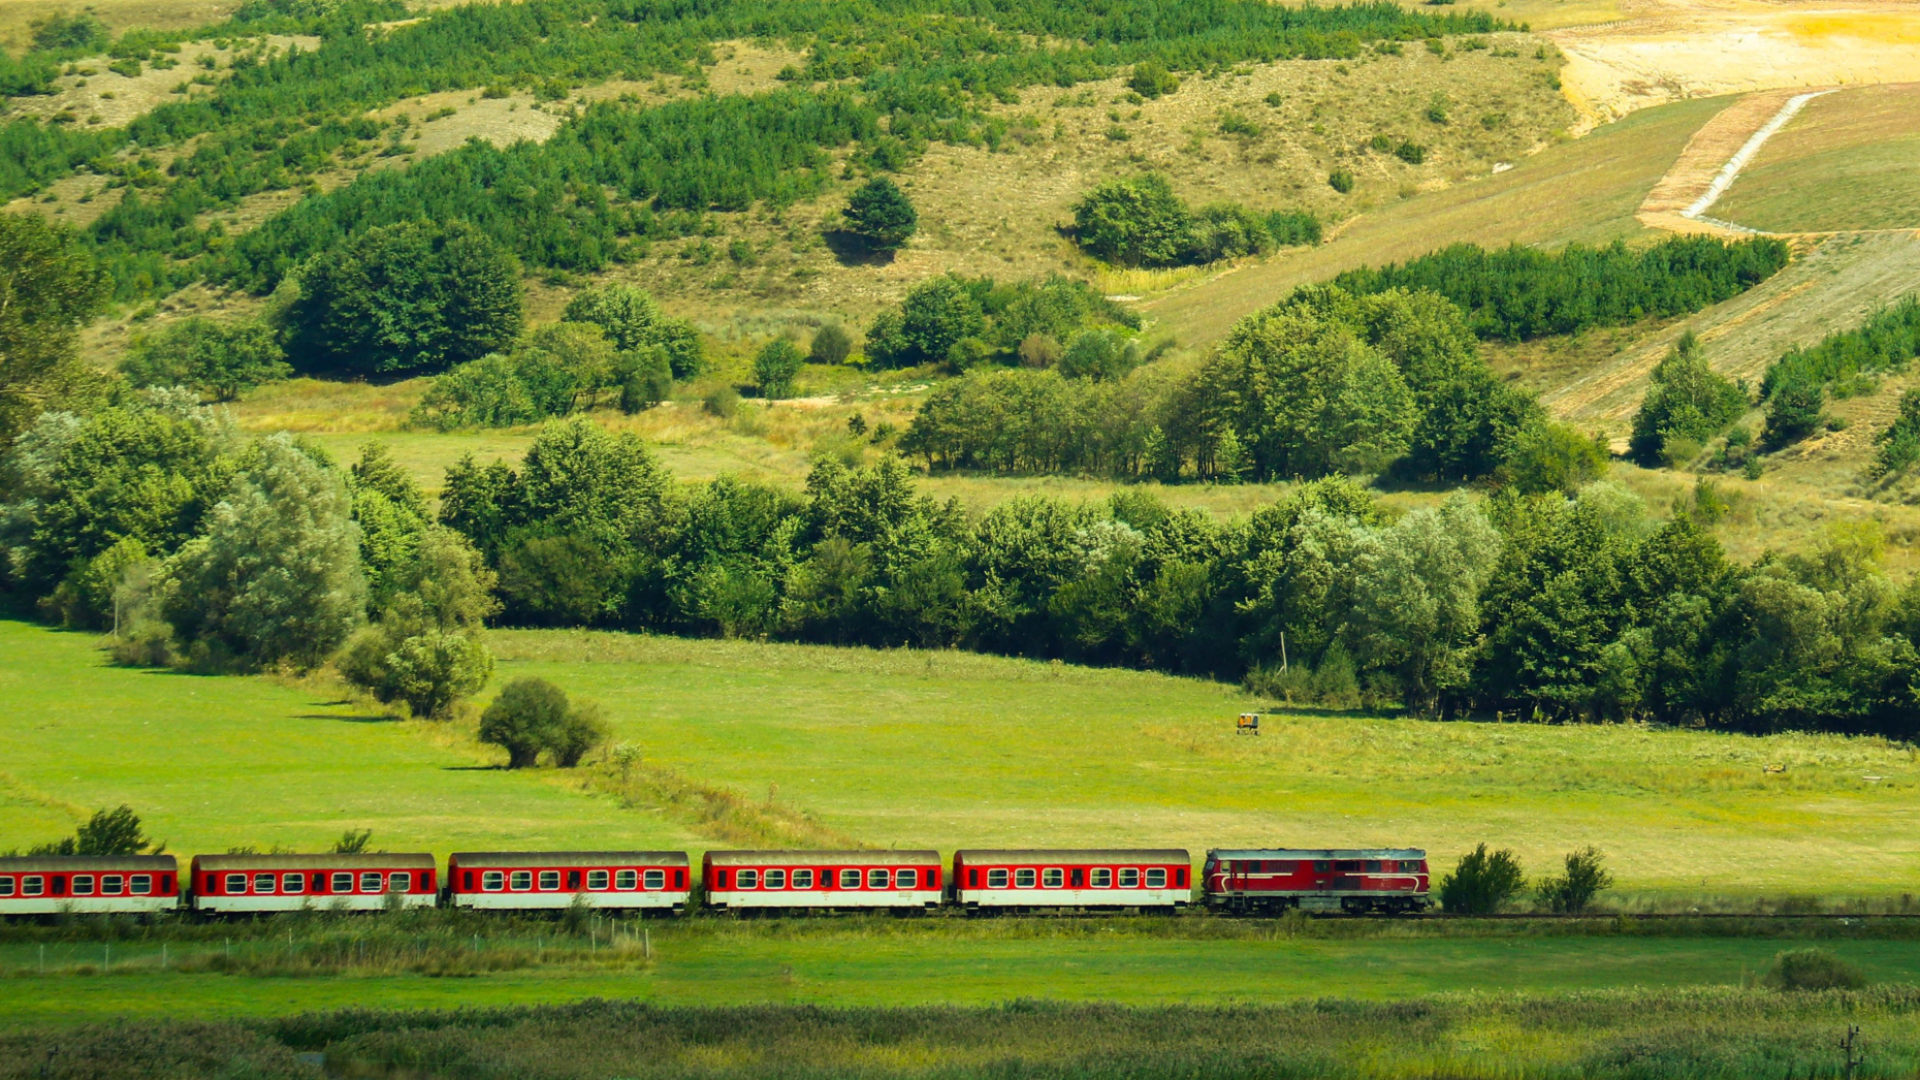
x,y
1519,293
1796,386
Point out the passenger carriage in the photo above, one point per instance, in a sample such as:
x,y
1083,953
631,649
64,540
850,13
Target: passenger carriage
x,y
1091,879
833,880
1353,880
89,884
233,884
537,880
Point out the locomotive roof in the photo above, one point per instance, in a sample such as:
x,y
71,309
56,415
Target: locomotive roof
x,y
377,861
1318,853
66,864
1088,855
823,858
483,859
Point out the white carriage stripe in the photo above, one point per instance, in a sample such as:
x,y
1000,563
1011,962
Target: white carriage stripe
x,y
1075,897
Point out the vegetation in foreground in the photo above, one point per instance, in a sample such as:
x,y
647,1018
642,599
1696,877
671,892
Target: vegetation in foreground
x,y
1639,1034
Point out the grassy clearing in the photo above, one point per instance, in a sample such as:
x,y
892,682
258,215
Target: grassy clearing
x,y
1850,160
952,749
254,970
212,763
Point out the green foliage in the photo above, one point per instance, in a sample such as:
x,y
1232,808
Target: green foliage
x,y
107,832
557,370
880,214
1227,231
427,649
1099,354
776,366
1686,401
634,322
1573,892
417,297
830,345
1410,152
353,842
936,314
1519,293
1796,406
1151,79
970,321
64,32
1887,341
1293,228
1813,969
532,716
1898,442
1547,456
276,575
221,360
50,289
1134,221
1482,883
1340,180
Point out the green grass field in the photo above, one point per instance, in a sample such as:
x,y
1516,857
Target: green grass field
x,y
1850,160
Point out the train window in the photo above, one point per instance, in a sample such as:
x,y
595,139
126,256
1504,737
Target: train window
x,y
653,879
32,885
1024,878
1079,877
141,884
906,879
293,883
849,879
371,880
399,882
1157,878
996,879
236,884
803,879
1052,878
6,886
1409,867
746,879
1347,865
776,879
1321,866
679,879
493,880
1373,866
597,879
1279,866
342,881
877,879
263,883
573,880
521,880
549,879
1129,878
112,885
1103,878
627,879
1180,878
83,884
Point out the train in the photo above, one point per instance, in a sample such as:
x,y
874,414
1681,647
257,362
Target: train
x,y
1355,881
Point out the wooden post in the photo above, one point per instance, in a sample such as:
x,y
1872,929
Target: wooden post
x,y
646,942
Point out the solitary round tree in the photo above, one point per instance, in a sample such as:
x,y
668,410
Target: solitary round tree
x,y
880,214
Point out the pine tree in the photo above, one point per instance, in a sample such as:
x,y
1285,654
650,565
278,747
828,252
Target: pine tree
x,y
881,215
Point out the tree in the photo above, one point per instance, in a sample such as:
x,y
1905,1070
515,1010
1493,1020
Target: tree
x,y
533,715
634,322
1796,407
1152,80
555,581
1686,404
1416,605
1135,221
107,832
414,297
775,367
48,288
276,575
63,32
830,345
936,314
644,377
1573,892
1482,883
881,215
1547,456
222,360
427,649
1099,354
1227,231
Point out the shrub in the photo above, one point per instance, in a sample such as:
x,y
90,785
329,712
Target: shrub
x,y
935,314
881,215
1290,228
416,297
1340,180
1411,152
831,345
1482,883
1686,402
1152,80
634,322
721,401
1796,408
1136,221
222,360
107,832
1572,892
645,378
1547,456
1899,443
1099,354
532,716
1813,969
776,366
1227,231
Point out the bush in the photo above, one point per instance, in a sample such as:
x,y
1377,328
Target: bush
x,y
532,716
1291,228
721,401
107,832
1572,892
1227,231
1136,221
881,215
936,314
1686,403
1796,408
1547,456
776,366
645,378
1813,969
831,345
1340,180
1411,152
634,322
1099,354
1482,883
222,360
416,297
1152,80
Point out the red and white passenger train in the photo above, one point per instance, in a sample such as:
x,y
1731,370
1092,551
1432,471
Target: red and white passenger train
x,y
1249,882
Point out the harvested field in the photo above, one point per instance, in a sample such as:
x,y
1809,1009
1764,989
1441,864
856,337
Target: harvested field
x,y
1850,160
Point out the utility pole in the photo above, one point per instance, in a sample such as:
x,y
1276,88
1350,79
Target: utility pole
x,y
1851,1046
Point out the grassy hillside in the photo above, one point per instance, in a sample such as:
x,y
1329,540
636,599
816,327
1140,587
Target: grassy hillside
x,y
1850,160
